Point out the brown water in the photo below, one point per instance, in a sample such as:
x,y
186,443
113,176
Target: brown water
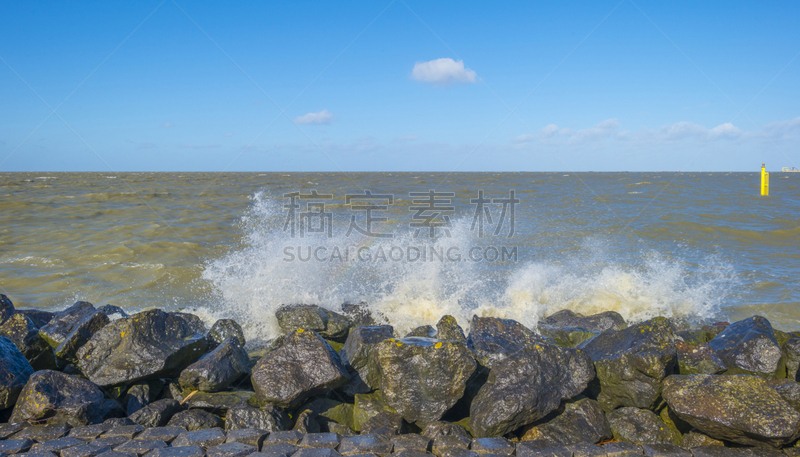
x,y
699,245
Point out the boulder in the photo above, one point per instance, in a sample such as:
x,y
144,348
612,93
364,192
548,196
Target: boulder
x,y
384,423
340,414
693,337
224,329
326,323
40,318
301,366
195,419
14,372
148,345
527,386
581,421
367,406
738,408
113,312
631,363
357,349
305,422
641,426
219,402
494,339
608,320
566,336
137,397
789,390
70,329
442,428
791,357
269,418
749,347
698,359
218,369
695,438
448,329
421,378
56,398
157,413
6,308
20,329
424,331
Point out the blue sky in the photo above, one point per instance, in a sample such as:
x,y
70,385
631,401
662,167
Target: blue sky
x,y
399,85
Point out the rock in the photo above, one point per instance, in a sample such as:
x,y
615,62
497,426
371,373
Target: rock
x,y
739,408
302,366
411,442
251,436
320,441
641,426
137,397
219,402
326,323
384,423
421,378
359,314
231,450
582,421
305,422
339,414
15,446
632,363
284,437
442,444
789,390
695,438
425,331
224,329
195,419
566,336
441,428
165,434
53,397
157,414
86,450
44,433
14,372
527,386
148,345
113,312
38,317
366,406
21,330
126,431
181,451
141,447
269,418
355,355
791,357
622,449
665,450
608,320
57,445
365,444
205,438
494,339
693,337
6,308
495,446
749,347
448,329
698,359
716,451
218,369
70,329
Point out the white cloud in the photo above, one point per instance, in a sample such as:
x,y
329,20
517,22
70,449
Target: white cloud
x,y
596,133
548,131
443,72
166,125
726,130
782,129
322,117
405,138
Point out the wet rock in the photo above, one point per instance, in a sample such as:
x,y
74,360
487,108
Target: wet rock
x,y
141,447
355,354
422,378
641,426
411,442
608,320
195,419
366,406
148,345
340,414
791,357
742,409
424,331
6,308
789,390
359,314
136,398
181,451
316,452
698,359
43,433
305,422
113,312
527,386
286,437
320,441
442,428
622,449
86,450
234,449
14,372
566,336
23,332
494,339
665,450
279,449
693,337
384,423
716,451
632,363
57,445
224,329
70,329
218,369
748,347
365,444
251,436
204,438
586,450
582,421
165,434
302,366
38,317
696,438
269,418
448,329
495,446
53,397
15,446
326,323
156,414
219,402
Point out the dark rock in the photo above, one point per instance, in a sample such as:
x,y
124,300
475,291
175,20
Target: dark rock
x,y
789,390
527,386
441,428
425,331
194,322
86,450
608,320
357,350
15,446
57,445
113,312
367,406
698,359
156,414
251,436
494,339
448,329
180,451
165,434
234,449
115,422
141,447
305,422
320,441
365,444
749,347
586,450
125,431
622,449
632,363
70,329
495,446
742,409
326,323
205,438
269,418
148,345
566,336
665,450
14,373
195,419
444,443
43,433
89,432
641,426
277,449
302,366
384,423
6,308
138,396
23,332
341,429
8,429
339,414
791,357
411,442
224,329
38,317
286,436
111,441
715,451
582,421
693,337
359,314
218,369
53,397
316,452
695,438
422,378
219,402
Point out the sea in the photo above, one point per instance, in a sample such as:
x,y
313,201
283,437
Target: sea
x,y
700,247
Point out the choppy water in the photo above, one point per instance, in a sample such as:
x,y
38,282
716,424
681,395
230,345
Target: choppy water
x,y
697,245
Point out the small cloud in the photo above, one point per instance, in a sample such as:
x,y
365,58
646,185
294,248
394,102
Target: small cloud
x,y
166,125
229,134
322,117
405,138
548,131
148,145
443,72
199,146
726,130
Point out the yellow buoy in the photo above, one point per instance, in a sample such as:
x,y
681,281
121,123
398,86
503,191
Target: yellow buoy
x,y
764,181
